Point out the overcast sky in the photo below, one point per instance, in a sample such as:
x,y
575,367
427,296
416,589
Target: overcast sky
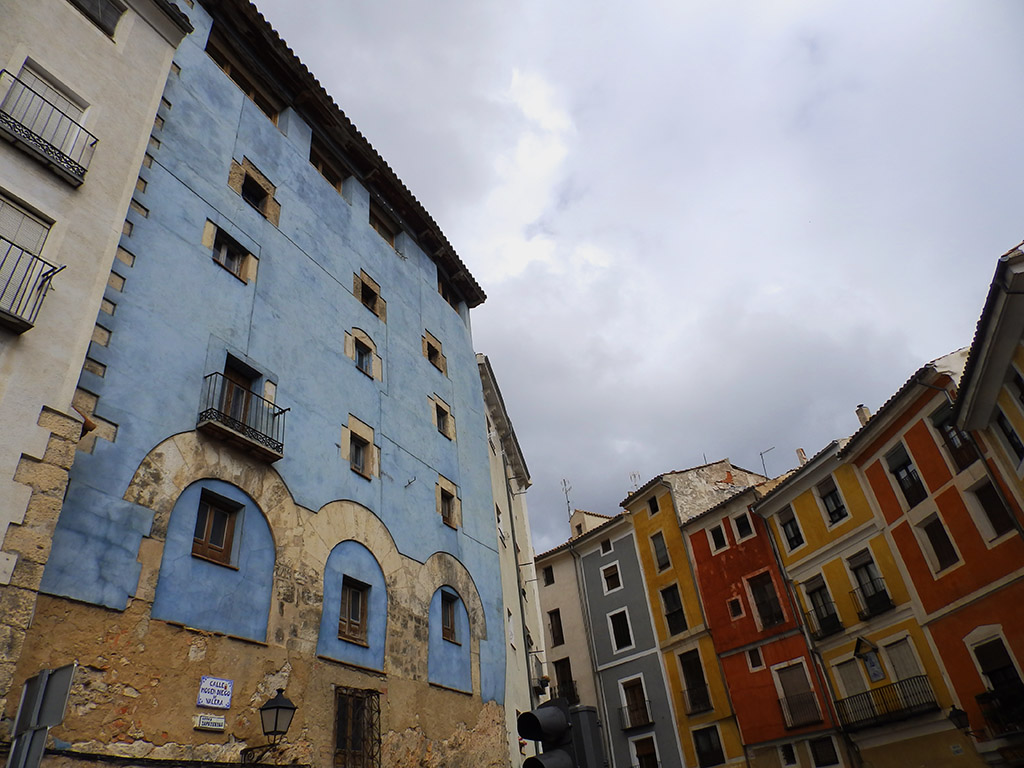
x,y
705,229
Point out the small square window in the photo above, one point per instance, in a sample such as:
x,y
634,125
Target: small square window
x,y
717,536
606,546
754,659
368,296
448,628
660,551
229,254
254,194
832,501
791,529
652,505
215,528
735,608
611,578
448,508
364,358
352,620
367,291
444,419
743,526
358,453
548,575
432,351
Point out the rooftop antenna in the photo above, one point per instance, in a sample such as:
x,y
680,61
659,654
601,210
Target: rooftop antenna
x,y
764,469
634,478
566,487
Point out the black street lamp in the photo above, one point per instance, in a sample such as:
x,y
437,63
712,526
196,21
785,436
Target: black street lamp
x,y
962,722
275,717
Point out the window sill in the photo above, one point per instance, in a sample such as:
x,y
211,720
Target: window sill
x,y
221,563
362,474
354,641
450,524
234,274
366,373
451,640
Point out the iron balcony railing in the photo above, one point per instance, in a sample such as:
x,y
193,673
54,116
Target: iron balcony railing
x,y
697,699
800,709
566,691
823,621
770,612
887,704
635,715
24,281
233,411
1003,710
30,118
872,599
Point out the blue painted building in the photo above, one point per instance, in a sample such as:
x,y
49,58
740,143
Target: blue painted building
x,y
294,470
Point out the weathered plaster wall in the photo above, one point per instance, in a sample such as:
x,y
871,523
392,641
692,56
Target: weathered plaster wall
x,y
288,324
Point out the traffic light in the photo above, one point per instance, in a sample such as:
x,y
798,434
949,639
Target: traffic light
x,y
551,726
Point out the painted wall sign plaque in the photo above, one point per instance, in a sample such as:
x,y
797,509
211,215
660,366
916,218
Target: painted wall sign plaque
x,y
210,722
215,692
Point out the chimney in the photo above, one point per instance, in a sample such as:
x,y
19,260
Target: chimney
x,y
801,456
863,413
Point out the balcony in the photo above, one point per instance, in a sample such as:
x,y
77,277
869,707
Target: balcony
x,y
1003,710
872,599
887,704
823,621
24,281
567,691
232,413
40,127
800,709
697,699
635,715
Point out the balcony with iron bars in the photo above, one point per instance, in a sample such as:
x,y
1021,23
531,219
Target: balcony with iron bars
x,y
1003,710
42,129
697,699
887,704
635,715
566,691
800,709
232,413
823,621
872,599
24,280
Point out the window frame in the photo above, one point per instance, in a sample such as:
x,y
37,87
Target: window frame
x,y
745,515
367,292
346,631
610,618
750,661
605,569
814,757
710,530
662,559
833,515
906,467
367,754
653,506
203,548
548,575
449,619
980,513
713,727
449,505
359,455
785,516
678,610
363,357
926,531
555,628
103,25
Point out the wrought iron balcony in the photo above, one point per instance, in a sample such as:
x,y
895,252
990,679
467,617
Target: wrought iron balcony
x,y
566,691
31,120
872,599
24,281
823,621
233,413
697,699
635,715
770,612
800,709
1003,710
887,704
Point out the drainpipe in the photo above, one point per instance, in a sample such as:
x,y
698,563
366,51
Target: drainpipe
x,y
585,605
510,497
